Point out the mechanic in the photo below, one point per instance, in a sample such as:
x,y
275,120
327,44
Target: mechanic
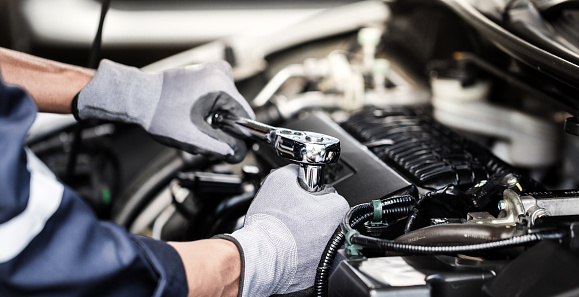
x,y
51,244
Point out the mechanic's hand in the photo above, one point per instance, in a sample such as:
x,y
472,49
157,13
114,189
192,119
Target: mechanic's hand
x,y
286,230
171,106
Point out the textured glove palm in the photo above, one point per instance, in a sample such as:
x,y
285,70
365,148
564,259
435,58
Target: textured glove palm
x,y
285,232
171,106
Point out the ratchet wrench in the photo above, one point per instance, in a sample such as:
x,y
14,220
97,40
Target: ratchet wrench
x,y
312,151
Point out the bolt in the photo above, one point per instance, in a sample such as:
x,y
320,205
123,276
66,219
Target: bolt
x,y
512,181
503,205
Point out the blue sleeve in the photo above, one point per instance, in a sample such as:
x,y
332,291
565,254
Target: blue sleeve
x,y
51,244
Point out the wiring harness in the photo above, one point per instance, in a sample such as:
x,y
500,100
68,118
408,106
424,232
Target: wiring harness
x,y
395,207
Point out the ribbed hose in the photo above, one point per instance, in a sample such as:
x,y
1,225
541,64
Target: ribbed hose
x,y
397,211
399,200
361,219
337,239
325,265
368,208
393,211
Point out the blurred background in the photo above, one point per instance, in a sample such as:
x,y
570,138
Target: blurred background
x,y
139,32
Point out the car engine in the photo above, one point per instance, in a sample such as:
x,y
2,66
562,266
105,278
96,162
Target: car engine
x,y
458,131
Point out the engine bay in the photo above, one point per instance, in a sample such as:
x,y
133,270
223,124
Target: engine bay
x,y
458,152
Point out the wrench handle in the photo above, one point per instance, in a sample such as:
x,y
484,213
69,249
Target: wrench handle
x,y
243,126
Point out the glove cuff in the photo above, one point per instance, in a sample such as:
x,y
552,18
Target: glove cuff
x,y
74,108
269,254
121,93
242,256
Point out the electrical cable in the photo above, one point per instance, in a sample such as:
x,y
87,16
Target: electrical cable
x,y
396,205
93,63
97,42
411,219
325,265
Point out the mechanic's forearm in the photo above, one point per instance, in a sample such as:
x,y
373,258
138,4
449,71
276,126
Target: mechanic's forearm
x,y
213,266
51,84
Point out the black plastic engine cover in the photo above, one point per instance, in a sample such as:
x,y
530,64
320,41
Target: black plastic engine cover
x,y
547,269
421,149
410,276
359,176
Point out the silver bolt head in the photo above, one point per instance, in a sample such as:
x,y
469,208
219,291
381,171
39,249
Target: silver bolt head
x,y
503,205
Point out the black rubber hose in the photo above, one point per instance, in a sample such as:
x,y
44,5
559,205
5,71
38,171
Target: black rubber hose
x,y
397,211
361,219
398,200
368,208
325,265
337,239
393,211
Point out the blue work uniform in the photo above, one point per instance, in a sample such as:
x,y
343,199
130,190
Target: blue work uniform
x,y
51,244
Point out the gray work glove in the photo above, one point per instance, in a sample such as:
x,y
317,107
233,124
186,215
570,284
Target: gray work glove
x,y
172,106
286,230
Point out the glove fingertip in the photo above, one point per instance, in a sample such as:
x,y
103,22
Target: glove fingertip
x,y
223,66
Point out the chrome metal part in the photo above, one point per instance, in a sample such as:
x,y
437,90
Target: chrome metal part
x,y
511,208
556,206
532,205
312,151
459,233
